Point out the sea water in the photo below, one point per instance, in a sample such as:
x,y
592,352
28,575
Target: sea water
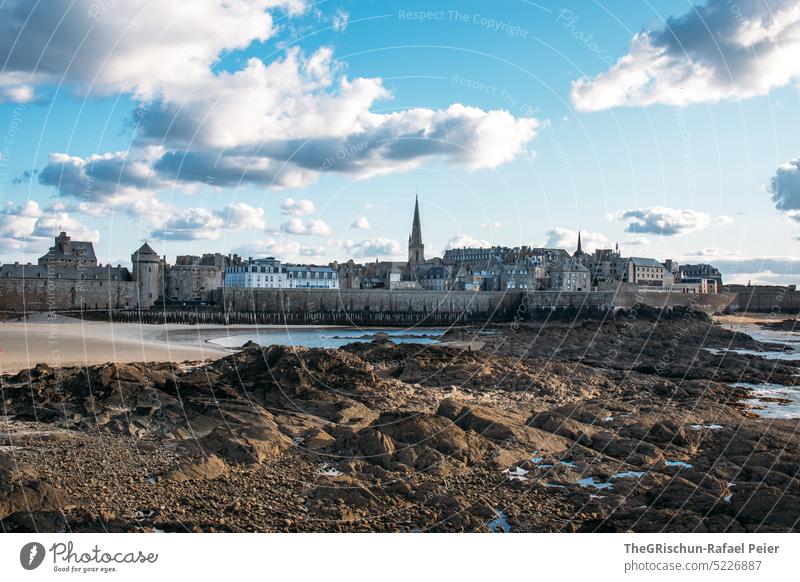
x,y
763,402
326,337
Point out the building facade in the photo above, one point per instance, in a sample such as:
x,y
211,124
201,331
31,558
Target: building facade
x,y
311,277
702,273
646,272
569,275
270,273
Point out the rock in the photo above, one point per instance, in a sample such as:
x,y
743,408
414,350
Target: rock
x,y
22,489
209,467
488,423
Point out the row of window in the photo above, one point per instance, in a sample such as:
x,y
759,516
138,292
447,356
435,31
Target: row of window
x,y
291,274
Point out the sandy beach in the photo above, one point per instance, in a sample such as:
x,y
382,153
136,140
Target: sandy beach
x,y
749,318
64,341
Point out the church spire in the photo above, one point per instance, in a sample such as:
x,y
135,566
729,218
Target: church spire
x,y
579,250
416,250
416,227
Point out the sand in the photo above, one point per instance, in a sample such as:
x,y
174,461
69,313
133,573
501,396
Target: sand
x,y
750,318
64,341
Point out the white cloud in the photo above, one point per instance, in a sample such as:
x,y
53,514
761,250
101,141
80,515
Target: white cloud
x,y
361,223
385,248
283,249
143,48
31,227
662,220
206,224
294,207
340,20
313,227
17,94
101,183
710,253
564,238
723,220
229,170
270,124
304,117
717,51
284,124
464,240
785,187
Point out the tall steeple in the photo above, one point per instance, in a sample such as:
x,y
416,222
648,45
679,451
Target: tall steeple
x,y
579,250
416,250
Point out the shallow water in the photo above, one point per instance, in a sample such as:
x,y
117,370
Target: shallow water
x,y
326,337
763,401
590,482
500,524
763,405
771,355
790,339
628,475
682,464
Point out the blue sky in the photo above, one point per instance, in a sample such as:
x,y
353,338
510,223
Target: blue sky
x,y
304,129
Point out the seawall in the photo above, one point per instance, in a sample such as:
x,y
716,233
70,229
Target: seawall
x,y
103,299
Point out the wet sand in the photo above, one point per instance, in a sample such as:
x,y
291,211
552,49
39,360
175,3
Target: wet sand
x,y
64,341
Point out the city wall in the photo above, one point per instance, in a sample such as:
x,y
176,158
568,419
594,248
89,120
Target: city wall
x,y
766,299
335,306
372,306
18,295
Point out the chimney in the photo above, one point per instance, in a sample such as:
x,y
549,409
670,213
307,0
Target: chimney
x,y
62,242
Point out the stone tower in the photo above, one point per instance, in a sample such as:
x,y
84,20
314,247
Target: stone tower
x,y
147,267
416,250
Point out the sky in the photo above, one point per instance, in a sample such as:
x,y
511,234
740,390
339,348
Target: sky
x,y
304,130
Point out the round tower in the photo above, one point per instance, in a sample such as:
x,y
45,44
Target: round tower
x,y
147,275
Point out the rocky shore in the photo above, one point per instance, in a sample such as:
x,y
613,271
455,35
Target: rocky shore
x,y
625,424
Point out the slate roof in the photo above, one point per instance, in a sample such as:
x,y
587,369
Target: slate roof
x,y
645,262
78,250
145,249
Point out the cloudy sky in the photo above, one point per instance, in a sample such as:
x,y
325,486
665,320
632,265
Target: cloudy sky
x,y
303,130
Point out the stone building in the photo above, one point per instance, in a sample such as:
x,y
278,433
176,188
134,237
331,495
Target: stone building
x,y
702,273
69,278
193,279
68,253
350,274
475,255
569,275
605,265
644,271
523,275
434,277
